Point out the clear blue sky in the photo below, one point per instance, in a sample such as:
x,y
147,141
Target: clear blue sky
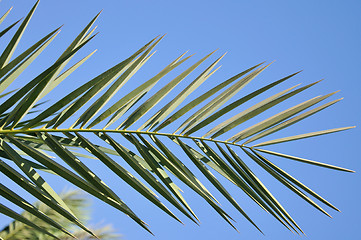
x,y
321,37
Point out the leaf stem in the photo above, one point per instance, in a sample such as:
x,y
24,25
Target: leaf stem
x,y
25,131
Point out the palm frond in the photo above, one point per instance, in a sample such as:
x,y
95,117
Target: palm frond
x,y
77,202
64,127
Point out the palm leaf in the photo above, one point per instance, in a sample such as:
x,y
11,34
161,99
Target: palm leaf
x,y
160,159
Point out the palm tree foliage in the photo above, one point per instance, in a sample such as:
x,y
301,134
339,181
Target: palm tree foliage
x,y
79,205
26,132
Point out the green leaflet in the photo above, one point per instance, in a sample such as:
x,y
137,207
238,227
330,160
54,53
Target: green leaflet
x,y
33,175
154,157
290,121
305,160
211,178
219,100
159,172
126,107
169,107
101,101
249,113
205,160
293,180
30,99
77,165
286,183
78,41
123,174
100,82
8,67
258,186
8,28
139,90
6,81
10,48
66,174
302,136
152,101
237,103
265,105
5,15
30,163
249,187
181,170
10,213
64,75
216,158
21,202
29,187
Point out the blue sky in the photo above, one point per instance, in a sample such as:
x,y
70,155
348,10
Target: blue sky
x,y
322,38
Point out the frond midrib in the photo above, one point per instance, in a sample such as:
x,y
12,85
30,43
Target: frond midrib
x,y
52,130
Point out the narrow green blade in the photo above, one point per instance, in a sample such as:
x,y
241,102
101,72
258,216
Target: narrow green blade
x,y
249,187
275,119
100,82
39,145
210,177
100,102
157,97
155,156
219,100
294,180
263,191
10,213
205,160
73,95
237,103
33,175
181,167
128,154
181,173
305,160
30,99
286,183
151,82
5,94
6,81
159,172
69,176
87,174
175,102
199,100
21,202
2,33
36,192
25,54
291,121
5,15
77,165
140,169
125,108
268,103
122,173
242,184
79,40
7,68
64,75
10,48
30,163
302,136
217,159
251,112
